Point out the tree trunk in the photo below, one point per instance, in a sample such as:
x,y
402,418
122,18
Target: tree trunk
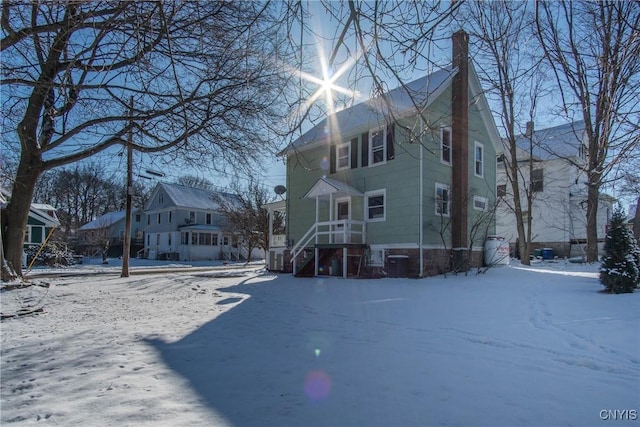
x,y
592,223
29,169
523,241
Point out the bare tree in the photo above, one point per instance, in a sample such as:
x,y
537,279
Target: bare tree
x,y
203,77
246,217
511,73
195,182
594,51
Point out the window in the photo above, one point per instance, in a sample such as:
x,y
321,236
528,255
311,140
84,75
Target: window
x,y
501,190
194,238
343,156
445,145
537,183
169,239
374,209
582,152
204,239
170,216
27,235
148,240
214,240
479,159
184,238
192,217
480,203
442,199
225,241
138,217
158,217
161,198
158,239
208,218
377,147
148,219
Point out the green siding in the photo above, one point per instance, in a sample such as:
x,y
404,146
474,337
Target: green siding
x,y
399,177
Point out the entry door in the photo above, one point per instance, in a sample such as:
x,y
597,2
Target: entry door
x,y
342,212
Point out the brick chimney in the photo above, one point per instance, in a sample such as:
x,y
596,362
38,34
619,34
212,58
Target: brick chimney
x,y
460,140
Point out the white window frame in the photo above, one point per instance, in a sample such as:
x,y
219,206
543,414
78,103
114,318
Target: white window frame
x,y
438,201
442,159
383,131
27,234
482,200
346,145
477,161
374,193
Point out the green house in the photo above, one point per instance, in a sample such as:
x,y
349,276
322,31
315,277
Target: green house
x,y
400,186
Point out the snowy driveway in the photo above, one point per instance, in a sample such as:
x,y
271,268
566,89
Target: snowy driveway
x,y
511,347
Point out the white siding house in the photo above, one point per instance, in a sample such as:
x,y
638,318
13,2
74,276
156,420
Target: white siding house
x,y
559,188
184,223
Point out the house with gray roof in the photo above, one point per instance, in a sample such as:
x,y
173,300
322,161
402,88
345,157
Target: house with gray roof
x,y
558,182
106,234
185,223
395,185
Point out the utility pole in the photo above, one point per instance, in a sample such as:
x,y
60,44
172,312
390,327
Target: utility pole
x,y
126,245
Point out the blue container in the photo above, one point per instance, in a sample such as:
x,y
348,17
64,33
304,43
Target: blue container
x,y
547,253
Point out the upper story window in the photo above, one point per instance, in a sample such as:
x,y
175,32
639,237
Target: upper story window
x,y
158,217
138,217
377,147
161,198
537,180
445,145
442,199
375,205
582,152
192,217
170,216
480,203
208,218
479,159
343,156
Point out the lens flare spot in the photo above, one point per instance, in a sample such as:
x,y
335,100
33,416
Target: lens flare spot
x,y
317,385
324,164
317,352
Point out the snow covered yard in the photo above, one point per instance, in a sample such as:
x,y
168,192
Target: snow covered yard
x,y
538,346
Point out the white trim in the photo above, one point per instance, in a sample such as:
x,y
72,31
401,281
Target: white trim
x,y
448,129
477,145
381,192
384,146
437,201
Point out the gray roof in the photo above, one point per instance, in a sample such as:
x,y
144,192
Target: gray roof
x,y
106,220
196,198
557,142
348,121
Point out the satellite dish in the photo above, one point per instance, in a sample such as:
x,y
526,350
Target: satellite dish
x,y
280,189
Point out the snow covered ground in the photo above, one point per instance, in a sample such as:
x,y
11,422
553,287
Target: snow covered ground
x,y
535,346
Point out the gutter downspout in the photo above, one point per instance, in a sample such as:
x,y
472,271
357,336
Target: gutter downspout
x,y
421,214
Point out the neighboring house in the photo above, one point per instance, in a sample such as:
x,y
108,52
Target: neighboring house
x,y
276,258
106,233
558,183
42,220
184,223
383,188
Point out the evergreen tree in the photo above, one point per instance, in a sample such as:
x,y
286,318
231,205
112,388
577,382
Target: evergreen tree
x,y
620,269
